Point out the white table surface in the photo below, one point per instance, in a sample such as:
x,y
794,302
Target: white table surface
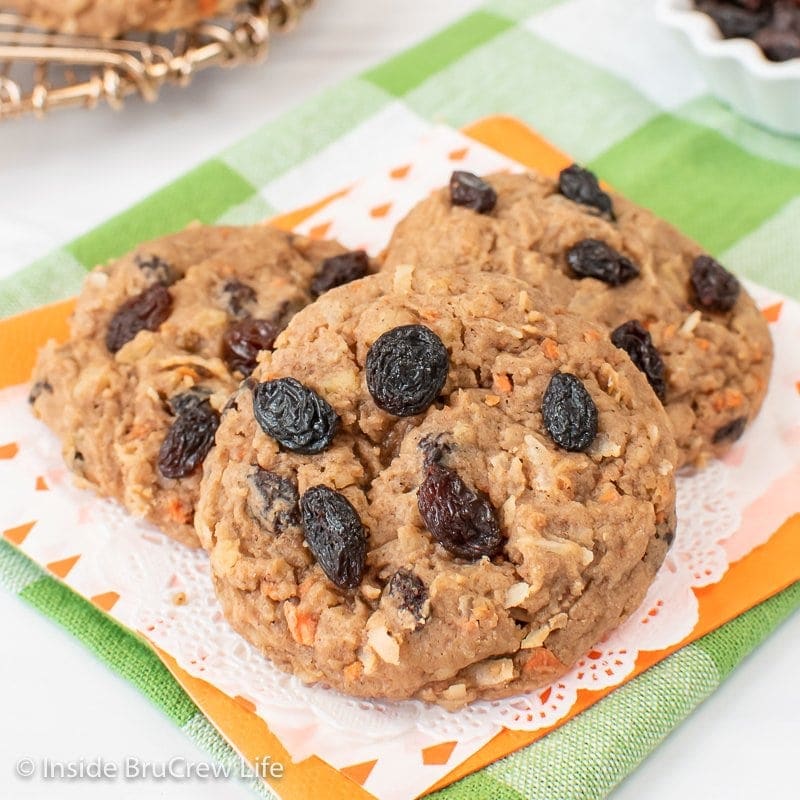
x,y
61,177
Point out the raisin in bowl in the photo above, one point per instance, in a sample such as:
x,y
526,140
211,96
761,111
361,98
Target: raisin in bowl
x,y
737,70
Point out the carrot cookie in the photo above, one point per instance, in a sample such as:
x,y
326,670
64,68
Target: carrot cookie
x,y
110,18
158,341
439,486
685,321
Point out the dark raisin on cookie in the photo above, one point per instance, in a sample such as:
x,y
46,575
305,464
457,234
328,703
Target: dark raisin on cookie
x,y
273,501
145,312
434,448
461,519
186,401
714,288
668,536
294,415
156,269
339,270
188,440
569,413
731,431
634,339
37,389
411,595
335,535
591,258
581,186
470,191
244,340
237,296
406,369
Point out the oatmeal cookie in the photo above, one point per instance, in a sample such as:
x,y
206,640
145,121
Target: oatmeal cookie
x,y
683,319
158,341
108,18
437,486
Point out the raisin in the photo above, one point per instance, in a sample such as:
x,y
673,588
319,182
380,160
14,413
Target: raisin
x,y
406,369
338,270
467,189
569,413
754,5
778,45
715,289
188,441
591,258
237,296
273,501
335,535
434,448
294,415
581,186
244,340
461,519
37,389
731,431
411,595
157,269
633,338
734,22
145,312
785,14
186,401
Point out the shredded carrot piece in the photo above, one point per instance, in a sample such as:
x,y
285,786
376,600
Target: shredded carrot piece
x,y
550,349
503,384
541,657
187,372
703,344
609,495
353,671
591,336
306,628
729,398
138,431
178,511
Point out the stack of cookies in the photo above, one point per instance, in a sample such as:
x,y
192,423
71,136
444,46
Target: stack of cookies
x,y
445,476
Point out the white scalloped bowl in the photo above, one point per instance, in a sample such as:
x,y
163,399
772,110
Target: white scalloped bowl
x,y
738,73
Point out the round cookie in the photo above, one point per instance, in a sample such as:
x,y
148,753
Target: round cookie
x,y
706,348
108,18
158,341
459,552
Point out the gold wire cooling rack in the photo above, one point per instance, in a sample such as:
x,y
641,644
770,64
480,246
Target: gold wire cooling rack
x,y
42,71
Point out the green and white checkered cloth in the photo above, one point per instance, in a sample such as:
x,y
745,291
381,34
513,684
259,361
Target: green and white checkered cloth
x,y
603,82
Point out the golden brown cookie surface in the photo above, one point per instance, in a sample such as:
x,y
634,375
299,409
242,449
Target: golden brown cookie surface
x,y
109,18
509,508
715,357
159,339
